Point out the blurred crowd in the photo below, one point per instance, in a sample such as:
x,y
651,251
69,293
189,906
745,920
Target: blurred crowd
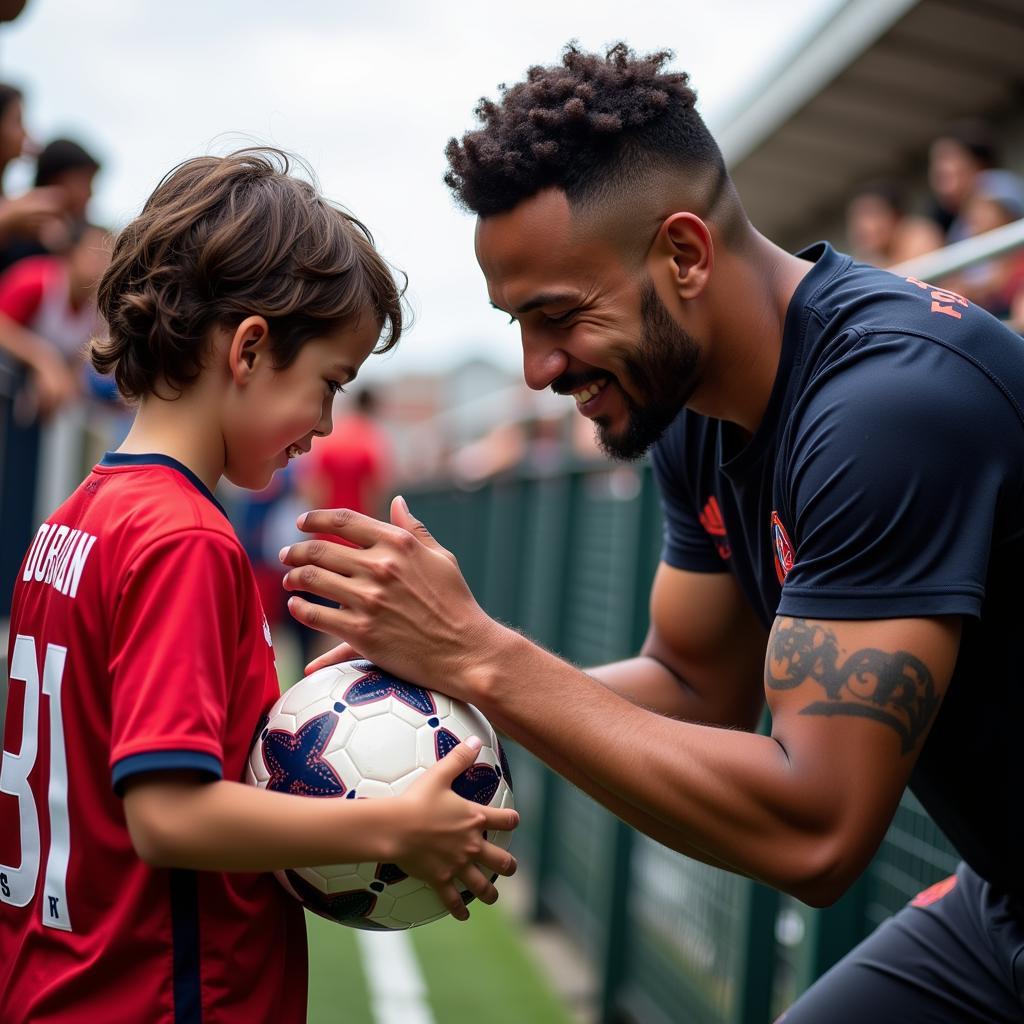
x,y
969,193
57,415
51,259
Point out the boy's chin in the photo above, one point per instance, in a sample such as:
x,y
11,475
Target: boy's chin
x,y
251,478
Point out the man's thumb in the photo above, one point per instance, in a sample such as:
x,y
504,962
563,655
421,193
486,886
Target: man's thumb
x,y
401,516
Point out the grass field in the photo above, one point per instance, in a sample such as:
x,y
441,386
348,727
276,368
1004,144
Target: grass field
x,y
477,970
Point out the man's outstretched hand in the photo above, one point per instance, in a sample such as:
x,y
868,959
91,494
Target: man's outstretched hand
x,y
403,601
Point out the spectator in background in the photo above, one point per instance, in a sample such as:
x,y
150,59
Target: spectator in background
x,y
996,199
954,160
881,231
21,219
69,166
47,316
66,170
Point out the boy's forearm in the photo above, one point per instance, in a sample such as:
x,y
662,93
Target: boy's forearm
x,y
228,826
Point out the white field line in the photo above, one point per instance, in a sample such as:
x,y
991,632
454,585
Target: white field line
x,y
398,994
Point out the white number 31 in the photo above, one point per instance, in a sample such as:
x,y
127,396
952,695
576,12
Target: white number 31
x,y
18,883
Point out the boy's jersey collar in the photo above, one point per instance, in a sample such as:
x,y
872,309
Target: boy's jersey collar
x,y
114,459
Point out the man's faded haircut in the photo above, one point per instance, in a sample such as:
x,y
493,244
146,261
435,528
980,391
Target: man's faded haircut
x,y
596,126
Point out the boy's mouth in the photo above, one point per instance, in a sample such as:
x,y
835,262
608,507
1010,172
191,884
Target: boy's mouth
x,y
294,451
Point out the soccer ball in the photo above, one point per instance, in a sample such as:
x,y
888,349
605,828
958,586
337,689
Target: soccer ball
x,y
351,731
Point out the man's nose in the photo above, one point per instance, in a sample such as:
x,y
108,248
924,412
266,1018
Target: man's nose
x,y
542,363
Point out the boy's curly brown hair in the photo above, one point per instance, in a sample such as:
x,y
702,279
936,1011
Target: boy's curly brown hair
x,y
223,238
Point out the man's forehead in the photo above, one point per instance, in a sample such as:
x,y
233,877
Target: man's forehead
x,y
536,245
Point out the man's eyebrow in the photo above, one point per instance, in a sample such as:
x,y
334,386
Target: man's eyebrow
x,y
543,299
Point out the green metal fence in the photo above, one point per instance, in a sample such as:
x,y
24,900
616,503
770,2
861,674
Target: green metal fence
x,y
569,558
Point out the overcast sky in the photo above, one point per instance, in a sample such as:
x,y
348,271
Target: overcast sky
x,y
368,93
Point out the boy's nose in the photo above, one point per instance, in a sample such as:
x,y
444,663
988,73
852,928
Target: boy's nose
x,y
326,424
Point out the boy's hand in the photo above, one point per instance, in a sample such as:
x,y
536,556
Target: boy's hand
x,y
443,834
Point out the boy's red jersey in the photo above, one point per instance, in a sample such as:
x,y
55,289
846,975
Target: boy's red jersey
x,y
138,644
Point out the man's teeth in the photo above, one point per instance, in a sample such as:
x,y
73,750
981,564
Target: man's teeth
x,y
294,451
587,393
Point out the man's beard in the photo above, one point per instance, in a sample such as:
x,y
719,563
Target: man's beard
x,y
662,370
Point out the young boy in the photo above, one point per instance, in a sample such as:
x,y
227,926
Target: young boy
x,y
132,859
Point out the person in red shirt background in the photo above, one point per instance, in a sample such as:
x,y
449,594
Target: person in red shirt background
x,y
352,468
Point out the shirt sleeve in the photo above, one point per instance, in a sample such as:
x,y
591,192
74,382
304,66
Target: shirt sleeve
x,y
175,637
686,544
902,468
21,290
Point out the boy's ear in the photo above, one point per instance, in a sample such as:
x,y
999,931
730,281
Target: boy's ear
x,y
249,343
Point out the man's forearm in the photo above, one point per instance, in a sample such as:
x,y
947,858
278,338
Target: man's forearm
x,y
725,797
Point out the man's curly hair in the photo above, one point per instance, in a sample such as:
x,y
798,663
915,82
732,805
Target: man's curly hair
x,y
589,125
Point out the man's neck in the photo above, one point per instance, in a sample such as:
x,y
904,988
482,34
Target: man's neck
x,y
752,300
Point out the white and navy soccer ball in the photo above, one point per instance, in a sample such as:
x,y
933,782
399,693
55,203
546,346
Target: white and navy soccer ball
x,y
352,731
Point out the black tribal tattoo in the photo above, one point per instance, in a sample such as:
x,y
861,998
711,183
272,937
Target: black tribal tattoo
x,y
895,688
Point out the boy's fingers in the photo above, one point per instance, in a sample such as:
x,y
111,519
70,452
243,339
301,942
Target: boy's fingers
x,y
501,819
459,758
494,858
479,884
452,900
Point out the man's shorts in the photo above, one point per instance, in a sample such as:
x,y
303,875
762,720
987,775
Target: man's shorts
x,y
953,955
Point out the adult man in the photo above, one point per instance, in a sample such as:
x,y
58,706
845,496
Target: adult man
x,y
857,436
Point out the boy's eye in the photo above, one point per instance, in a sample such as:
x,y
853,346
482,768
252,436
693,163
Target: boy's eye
x,y
335,386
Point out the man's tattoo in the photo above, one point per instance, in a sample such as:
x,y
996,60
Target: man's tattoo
x,y
894,688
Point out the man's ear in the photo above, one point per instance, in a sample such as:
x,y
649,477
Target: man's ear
x,y
249,343
684,247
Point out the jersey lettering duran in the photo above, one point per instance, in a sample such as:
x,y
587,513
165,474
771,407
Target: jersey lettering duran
x,y
886,480
137,644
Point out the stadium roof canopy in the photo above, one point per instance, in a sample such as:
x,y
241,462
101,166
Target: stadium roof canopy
x,y
863,97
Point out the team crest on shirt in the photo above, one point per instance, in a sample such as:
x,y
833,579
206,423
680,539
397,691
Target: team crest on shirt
x,y
783,548
266,632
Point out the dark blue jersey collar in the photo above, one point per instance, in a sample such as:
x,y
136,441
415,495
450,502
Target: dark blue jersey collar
x,y
156,459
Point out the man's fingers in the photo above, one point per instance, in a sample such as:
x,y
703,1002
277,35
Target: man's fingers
x,y
335,656
322,582
344,522
316,616
335,557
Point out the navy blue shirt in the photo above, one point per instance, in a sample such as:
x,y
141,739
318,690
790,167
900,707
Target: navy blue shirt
x,y
886,480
